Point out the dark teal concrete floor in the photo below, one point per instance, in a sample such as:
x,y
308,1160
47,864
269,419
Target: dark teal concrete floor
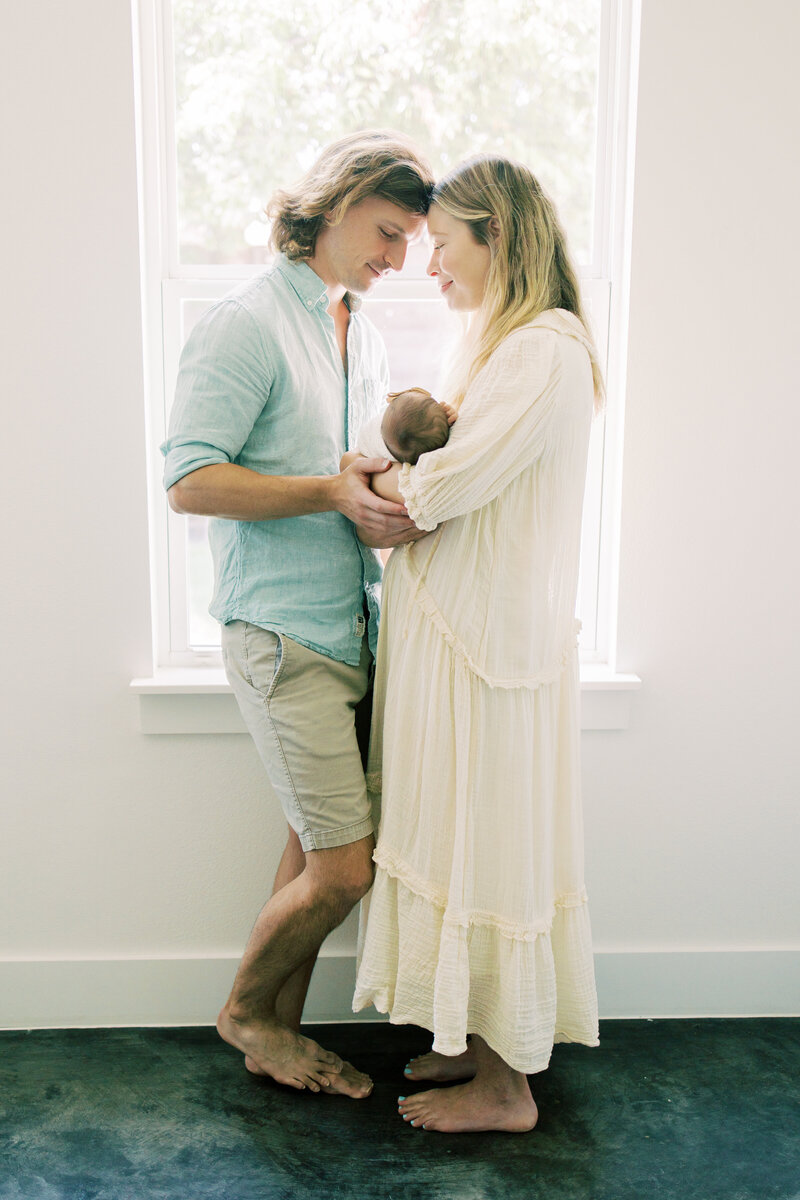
x,y
662,1110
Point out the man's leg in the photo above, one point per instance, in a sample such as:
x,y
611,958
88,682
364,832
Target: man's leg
x,y
299,706
292,996
289,931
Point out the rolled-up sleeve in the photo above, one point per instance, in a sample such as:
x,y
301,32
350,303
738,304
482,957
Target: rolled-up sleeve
x,y
502,428
223,383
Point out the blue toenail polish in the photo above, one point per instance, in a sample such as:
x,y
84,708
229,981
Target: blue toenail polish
x,y
399,1098
424,1126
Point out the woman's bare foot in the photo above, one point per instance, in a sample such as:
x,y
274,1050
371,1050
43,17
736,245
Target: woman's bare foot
x,y
347,1082
473,1107
442,1068
497,1098
278,1051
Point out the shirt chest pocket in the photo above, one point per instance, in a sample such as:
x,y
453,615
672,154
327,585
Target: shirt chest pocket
x,y
366,398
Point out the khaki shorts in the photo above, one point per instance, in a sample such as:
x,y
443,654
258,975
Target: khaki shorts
x,y
305,713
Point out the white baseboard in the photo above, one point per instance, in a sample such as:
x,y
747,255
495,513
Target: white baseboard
x,y
67,994
699,983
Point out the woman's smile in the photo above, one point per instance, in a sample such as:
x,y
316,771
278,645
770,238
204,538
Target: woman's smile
x,y
459,259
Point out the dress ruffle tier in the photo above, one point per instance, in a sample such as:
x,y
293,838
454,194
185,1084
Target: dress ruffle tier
x,y
466,929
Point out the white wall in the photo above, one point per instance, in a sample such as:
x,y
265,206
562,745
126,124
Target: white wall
x,y
131,866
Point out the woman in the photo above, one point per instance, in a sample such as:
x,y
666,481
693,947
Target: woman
x,y
477,923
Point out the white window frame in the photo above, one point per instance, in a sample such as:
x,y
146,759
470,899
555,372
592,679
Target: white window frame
x,y
167,285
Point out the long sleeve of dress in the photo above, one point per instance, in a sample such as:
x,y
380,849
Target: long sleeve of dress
x,y
501,429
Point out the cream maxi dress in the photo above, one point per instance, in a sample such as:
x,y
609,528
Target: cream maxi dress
x,y
478,921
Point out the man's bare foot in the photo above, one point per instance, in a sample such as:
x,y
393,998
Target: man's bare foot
x,y
278,1051
347,1082
442,1068
473,1107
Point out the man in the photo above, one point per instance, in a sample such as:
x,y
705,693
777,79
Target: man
x,y
274,383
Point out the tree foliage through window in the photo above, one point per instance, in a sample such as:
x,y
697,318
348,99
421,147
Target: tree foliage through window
x,y
262,85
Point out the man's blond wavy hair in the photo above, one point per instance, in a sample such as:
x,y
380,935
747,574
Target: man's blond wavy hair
x,y
363,164
530,269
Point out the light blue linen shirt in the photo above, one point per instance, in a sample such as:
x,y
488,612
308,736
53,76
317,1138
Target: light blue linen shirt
x,y
261,384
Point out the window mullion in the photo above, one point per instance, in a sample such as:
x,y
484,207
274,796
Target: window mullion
x,y
170,160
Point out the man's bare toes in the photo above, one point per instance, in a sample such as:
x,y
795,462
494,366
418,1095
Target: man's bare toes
x,y
349,1082
327,1060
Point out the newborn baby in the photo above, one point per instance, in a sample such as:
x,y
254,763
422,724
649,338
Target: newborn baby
x,y
413,424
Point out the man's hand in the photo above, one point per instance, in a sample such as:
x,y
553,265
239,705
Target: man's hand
x,y
379,523
349,456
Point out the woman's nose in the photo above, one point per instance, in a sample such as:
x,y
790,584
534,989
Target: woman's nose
x,y
432,268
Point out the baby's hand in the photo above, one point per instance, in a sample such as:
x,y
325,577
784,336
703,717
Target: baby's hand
x,y
450,413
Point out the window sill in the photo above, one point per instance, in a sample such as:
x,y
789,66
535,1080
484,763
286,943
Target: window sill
x,y
199,700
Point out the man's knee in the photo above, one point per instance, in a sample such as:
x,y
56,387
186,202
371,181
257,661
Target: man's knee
x,y
354,883
344,873
359,881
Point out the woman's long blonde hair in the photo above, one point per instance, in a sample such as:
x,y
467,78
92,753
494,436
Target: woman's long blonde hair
x,y
530,269
372,162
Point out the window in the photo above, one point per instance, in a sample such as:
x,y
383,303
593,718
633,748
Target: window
x,y
237,97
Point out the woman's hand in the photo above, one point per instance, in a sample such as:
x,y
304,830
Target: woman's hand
x,y
408,535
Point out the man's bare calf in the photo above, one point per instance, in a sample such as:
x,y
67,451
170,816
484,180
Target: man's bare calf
x,y
313,894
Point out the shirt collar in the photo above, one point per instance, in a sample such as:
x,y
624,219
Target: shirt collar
x,y
309,286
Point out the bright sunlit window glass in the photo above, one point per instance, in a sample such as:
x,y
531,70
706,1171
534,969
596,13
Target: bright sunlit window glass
x,y
240,96
262,86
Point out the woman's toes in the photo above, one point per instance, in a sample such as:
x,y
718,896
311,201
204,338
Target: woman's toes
x,y
411,1112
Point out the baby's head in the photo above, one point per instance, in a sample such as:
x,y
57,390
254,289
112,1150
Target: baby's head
x,y
413,424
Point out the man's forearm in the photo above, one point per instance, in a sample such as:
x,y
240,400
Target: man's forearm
x,y
238,494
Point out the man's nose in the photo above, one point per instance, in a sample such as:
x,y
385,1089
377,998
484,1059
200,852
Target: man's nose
x,y
395,256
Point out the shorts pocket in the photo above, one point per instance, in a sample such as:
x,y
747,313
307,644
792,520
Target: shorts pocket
x,y
264,653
